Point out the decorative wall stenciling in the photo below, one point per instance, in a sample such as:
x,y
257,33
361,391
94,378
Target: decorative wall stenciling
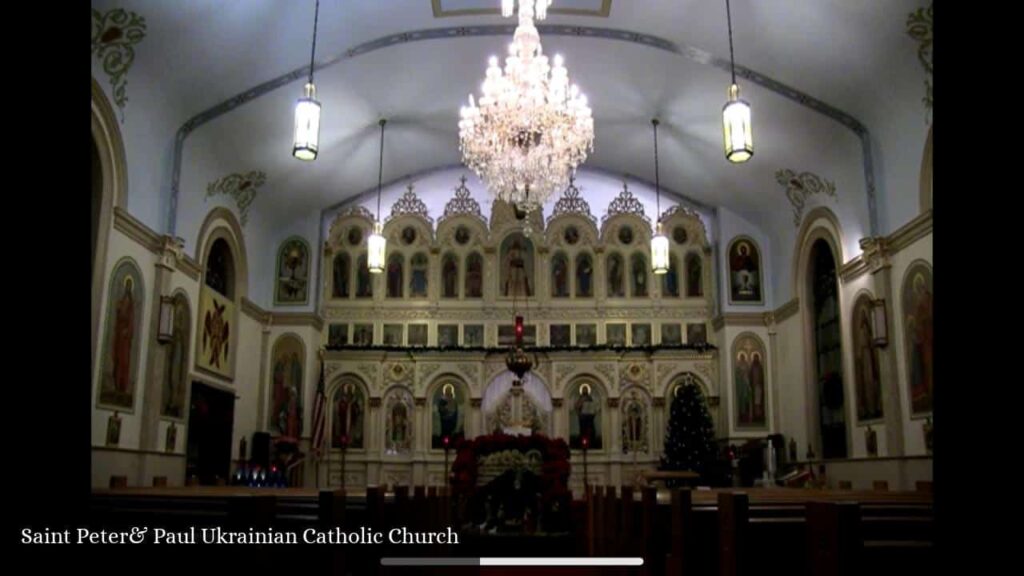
x,y
292,288
410,203
241,187
800,187
122,338
919,27
114,35
463,204
625,203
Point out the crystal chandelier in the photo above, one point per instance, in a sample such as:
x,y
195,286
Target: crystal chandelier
x,y
530,128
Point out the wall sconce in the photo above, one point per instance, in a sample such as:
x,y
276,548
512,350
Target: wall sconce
x,y
165,332
879,317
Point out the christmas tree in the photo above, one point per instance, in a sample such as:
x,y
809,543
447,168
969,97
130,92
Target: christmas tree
x,y
690,439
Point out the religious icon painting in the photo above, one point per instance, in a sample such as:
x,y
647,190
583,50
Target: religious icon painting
x,y
571,235
517,275
337,335
671,334
462,235
419,273
917,336
114,429
561,334
585,416
171,439
744,272
749,368
679,235
615,334
341,268
586,335
625,235
448,415
286,380
393,334
398,429
292,273
417,334
697,334
473,335
347,416
408,235
641,334
355,236
362,334
122,338
217,332
867,376
172,397
634,423
447,335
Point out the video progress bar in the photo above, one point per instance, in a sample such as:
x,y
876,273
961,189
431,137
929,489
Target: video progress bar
x,y
540,561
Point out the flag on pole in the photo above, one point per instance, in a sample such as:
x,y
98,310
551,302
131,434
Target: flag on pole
x,y
319,415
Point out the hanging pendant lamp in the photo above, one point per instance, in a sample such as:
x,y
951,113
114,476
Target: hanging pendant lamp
x,y
376,243
306,142
739,138
659,243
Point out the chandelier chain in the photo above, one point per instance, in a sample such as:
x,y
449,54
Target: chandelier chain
x,y
657,173
312,56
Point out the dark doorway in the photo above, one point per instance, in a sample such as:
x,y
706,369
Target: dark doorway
x,y
97,200
210,424
828,353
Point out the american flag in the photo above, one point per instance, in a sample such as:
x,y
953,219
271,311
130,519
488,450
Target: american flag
x,y
319,415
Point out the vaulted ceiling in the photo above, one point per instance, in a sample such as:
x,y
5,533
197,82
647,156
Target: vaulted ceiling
x,y
645,58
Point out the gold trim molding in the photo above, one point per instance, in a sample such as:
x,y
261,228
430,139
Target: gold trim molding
x,y
254,311
876,251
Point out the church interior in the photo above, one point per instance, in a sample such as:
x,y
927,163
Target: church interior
x,y
563,268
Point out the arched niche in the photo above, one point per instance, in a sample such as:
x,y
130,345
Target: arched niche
x,y
347,420
121,350
508,407
218,312
175,389
635,420
399,420
222,224
448,399
589,416
287,376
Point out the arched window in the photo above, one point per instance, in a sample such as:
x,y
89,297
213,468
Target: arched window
x,y
341,268
638,275
450,276
828,355
560,276
670,280
616,276
395,265
220,269
418,278
364,285
474,275
584,276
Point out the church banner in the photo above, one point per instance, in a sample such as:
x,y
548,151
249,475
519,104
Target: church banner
x,y
216,334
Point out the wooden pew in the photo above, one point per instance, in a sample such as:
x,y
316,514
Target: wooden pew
x,y
833,538
880,486
678,562
733,525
